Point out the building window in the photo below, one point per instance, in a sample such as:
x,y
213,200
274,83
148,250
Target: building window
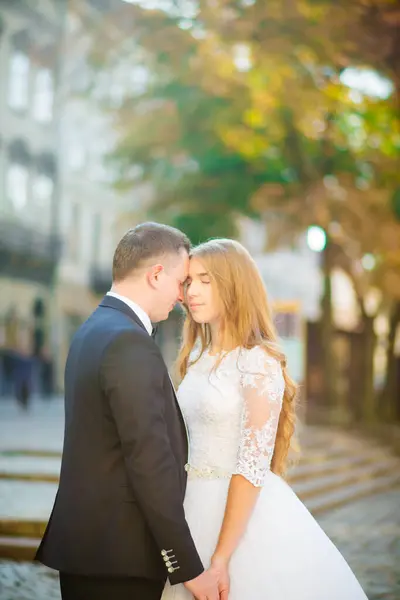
x,y
43,187
17,185
43,98
18,90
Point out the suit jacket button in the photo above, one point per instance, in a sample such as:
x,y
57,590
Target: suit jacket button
x,y
187,467
171,570
163,552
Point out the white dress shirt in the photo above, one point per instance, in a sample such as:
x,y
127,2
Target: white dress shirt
x,y
139,312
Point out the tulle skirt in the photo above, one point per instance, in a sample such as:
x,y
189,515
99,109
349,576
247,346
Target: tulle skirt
x,y
284,554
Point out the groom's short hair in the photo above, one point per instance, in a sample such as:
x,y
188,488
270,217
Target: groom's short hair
x,y
143,243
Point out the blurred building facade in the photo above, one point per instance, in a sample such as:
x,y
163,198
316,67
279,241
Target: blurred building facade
x,y
30,245
59,217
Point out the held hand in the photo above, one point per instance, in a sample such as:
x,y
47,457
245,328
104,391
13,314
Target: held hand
x,y
220,567
205,586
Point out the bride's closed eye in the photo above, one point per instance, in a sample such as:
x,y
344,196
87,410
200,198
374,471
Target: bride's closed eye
x,y
204,279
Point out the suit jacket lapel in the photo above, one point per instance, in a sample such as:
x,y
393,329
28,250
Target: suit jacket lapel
x,y
116,304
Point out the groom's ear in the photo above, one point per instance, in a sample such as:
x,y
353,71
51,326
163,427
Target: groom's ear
x,y
153,274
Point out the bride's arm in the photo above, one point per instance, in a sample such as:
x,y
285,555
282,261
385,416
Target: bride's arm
x,y
241,500
261,388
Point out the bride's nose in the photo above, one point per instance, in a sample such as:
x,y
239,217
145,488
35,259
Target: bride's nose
x,y
192,291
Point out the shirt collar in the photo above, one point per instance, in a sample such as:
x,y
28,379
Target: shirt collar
x,y
143,316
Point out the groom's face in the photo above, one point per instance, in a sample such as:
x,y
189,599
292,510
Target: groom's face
x,y
170,285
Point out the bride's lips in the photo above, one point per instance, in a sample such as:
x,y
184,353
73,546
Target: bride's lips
x,y
195,306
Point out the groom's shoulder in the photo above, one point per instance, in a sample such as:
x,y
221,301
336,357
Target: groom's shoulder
x,y
113,323
103,327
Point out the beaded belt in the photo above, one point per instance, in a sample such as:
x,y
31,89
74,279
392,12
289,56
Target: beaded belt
x,y
207,473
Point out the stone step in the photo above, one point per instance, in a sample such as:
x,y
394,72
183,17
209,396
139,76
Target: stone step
x,y
47,469
22,501
29,468
25,507
24,548
18,548
334,469
343,478
305,471
22,528
318,447
342,496
45,466
324,454
313,452
25,452
34,477
19,497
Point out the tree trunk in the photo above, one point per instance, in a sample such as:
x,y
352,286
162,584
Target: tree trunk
x,y
327,334
390,393
368,400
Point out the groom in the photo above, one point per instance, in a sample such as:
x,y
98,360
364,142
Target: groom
x,y
118,528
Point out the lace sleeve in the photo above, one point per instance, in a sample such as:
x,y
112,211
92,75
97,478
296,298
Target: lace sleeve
x,y
262,387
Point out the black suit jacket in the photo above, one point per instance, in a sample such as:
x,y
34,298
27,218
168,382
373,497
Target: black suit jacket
x,y
119,505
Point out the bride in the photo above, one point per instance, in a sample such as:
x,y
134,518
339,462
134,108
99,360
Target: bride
x,y
238,401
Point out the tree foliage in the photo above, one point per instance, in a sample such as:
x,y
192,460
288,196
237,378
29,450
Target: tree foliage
x,y
244,112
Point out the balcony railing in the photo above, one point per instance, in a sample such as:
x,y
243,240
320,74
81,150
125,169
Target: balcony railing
x,y
28,254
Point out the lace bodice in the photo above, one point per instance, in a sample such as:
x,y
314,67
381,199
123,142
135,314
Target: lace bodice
x,y
232,413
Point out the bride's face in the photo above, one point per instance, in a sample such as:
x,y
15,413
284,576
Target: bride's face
x,y
201,296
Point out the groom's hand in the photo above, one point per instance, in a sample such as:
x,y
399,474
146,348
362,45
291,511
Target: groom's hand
x,y
205,586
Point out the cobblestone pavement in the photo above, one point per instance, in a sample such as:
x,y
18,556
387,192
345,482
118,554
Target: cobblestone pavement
x,y
26,581
367,532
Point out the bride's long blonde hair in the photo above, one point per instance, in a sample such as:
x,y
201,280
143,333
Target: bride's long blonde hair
x,y
246,321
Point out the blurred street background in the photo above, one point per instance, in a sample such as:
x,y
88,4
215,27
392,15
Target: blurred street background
x,y
275,122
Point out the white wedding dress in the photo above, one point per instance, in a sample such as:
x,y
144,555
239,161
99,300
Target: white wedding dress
x,y
232,416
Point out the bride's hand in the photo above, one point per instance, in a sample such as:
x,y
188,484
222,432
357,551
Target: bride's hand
x,y
221,567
